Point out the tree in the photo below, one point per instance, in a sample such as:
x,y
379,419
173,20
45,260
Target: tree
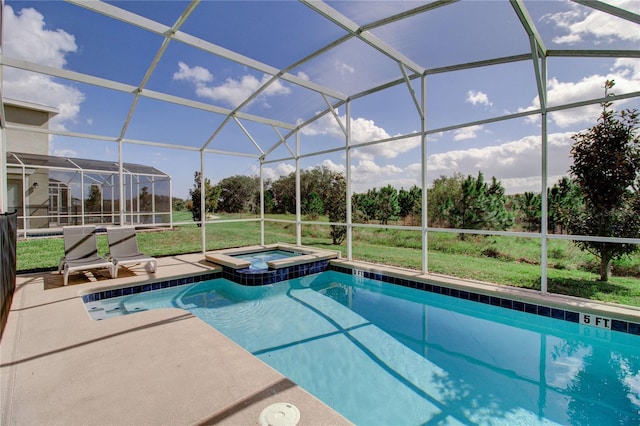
x,y
313,206
479,206
178,204
410,202
145,203
318,179
93,203
497,216
269,200
369,203
606,167
388,207
564,202
212,195
336,207
529,205
440,196
238,194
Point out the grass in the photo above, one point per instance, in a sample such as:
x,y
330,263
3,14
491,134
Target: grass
x,y
513,261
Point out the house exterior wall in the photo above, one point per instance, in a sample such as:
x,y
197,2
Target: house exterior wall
x,y
27,142
33,192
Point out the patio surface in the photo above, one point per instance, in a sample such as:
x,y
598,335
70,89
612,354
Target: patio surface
x,y
163,367
160,367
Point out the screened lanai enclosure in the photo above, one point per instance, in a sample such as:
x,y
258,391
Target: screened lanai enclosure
x,y
74,191
384,93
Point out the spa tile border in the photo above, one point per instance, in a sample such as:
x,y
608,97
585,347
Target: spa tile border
x,y
516,305
250,277
141,288
239,276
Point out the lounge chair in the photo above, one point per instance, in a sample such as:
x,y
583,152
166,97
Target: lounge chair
x,y
123,249
81,251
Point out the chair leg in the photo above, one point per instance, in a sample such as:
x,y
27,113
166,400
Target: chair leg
x,y
114,270
151,266
65,280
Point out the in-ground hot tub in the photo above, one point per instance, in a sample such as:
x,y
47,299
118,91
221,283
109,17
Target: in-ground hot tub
x,y
261,259
259,265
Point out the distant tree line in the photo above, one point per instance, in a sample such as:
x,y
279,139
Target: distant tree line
x,y
458,201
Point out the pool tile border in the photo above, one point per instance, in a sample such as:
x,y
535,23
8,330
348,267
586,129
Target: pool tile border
x,y
516,305
239,276
258,278
141,288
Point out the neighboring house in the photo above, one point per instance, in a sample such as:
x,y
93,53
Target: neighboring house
x,y
50,192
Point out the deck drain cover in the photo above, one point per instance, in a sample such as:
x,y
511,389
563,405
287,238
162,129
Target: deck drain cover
x,y
280,414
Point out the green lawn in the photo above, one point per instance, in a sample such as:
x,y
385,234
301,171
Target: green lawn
x,y
502,260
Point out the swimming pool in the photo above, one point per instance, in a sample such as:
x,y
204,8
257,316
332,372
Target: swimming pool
x,y
382,354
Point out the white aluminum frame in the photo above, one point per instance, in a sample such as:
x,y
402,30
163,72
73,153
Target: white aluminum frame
x,y
409,70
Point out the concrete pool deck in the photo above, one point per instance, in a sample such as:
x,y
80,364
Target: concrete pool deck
x,y
162,367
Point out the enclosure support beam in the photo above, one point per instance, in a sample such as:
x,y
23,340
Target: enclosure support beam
x,y
24,201
544,200
170,204
262,201
246,132
349,189
298,193
4,198
335,115
412,92
423,157
203,233
121,194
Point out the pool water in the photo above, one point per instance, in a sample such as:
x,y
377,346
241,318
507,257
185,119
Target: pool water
x,y
381,354
259,259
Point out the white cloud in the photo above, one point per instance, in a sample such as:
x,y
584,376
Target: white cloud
x,y
582,22
233,91
25,37
515,163
303,76
285,169
362,131
367,174
344,68
196,75
387,150
65,152
470,132
325,125
273,173
330,165
475,98
629,68
625,73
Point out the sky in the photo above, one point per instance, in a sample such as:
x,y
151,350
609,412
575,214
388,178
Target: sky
x,y
278,35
